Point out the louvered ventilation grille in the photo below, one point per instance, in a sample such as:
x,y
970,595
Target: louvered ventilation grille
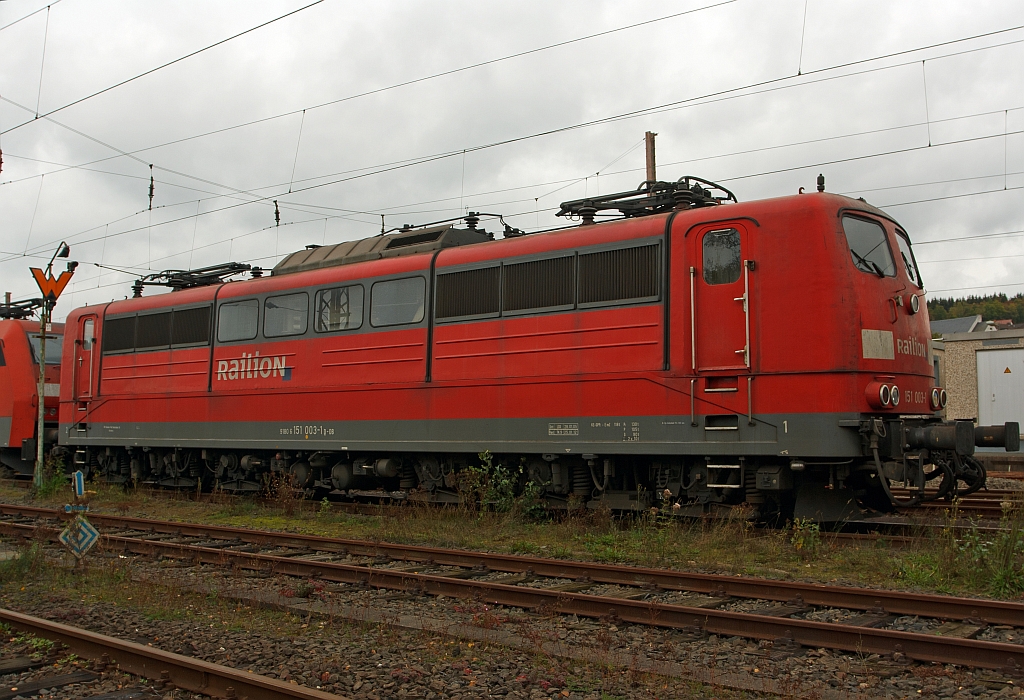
x,y
118,334
153,331
469,293
612,275
539,284
191,326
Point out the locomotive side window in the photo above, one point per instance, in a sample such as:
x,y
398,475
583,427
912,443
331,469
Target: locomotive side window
x,y
88,335
191,326
619,275
153,331
338,309
118,334
722,256
907,258
539,284
868,246
285,315
3,362
238,321
395,302
469,293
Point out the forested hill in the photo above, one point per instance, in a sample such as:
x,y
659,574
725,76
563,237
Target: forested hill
x,y
991,308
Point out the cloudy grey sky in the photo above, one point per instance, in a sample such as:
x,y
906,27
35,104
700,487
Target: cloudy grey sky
x,y
916,105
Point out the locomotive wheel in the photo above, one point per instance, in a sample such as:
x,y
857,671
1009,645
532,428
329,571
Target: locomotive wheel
x,y
301,474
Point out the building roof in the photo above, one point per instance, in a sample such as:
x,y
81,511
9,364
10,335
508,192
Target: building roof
x,y
964,324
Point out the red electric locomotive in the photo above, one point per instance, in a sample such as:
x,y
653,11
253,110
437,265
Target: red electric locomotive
x,y
697,350
19,377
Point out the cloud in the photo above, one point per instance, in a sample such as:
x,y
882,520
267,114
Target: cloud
x,y
339,49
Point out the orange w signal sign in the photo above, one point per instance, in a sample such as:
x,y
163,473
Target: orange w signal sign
x,y
50,287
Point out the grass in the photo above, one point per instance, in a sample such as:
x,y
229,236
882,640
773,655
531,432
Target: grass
x,y
960,560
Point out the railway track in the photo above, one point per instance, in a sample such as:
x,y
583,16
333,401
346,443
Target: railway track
x,y
779,611
988,505
160,666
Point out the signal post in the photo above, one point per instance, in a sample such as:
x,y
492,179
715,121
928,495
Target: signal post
x,y
51,289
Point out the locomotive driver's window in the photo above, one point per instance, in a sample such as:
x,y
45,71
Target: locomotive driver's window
x,y
285,315
722,256
907,258
869,247
238,321
338,309
396,302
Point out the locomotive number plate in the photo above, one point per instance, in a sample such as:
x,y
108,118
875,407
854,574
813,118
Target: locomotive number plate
x,y
307,430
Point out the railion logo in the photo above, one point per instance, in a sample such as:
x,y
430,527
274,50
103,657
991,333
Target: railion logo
x,y
911,346
253,366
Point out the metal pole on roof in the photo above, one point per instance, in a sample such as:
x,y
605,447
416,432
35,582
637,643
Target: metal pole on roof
x,y
652,175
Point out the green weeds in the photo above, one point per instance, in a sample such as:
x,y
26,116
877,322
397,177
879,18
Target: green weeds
x,y
54,478
23,567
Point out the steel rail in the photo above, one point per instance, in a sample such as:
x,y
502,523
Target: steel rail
x,y
894,602
149,662
922,647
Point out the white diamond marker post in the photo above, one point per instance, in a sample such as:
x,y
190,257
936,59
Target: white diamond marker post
x,y
79,536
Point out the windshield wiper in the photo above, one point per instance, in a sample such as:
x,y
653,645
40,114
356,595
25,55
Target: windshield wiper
x,y
867,265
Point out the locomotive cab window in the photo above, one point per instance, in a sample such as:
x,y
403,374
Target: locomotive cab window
x,y
53,348
907,261
397,302
3,362
238,321
285,315
868,246
722,256
338,309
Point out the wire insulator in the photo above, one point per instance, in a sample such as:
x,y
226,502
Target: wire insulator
x,y
152,187
277,214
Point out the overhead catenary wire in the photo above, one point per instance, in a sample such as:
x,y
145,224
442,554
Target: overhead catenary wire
x,y
678,104
161,67
652,110
293,167
30,14
42,61
726,179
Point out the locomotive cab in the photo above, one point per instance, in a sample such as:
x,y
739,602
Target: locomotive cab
x,y
19,377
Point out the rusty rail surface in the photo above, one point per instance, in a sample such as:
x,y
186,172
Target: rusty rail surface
x,y
152,663
861,639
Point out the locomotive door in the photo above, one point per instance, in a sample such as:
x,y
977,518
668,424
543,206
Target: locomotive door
x,y
720,299
85,350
